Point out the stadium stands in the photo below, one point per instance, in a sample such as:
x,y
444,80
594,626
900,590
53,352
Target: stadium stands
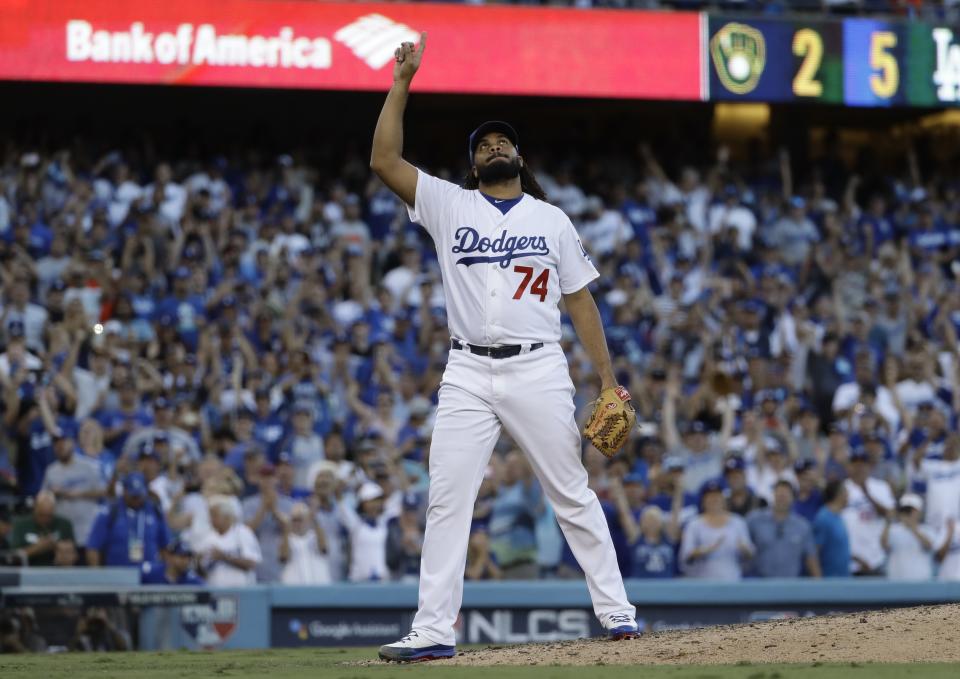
x,y
249,331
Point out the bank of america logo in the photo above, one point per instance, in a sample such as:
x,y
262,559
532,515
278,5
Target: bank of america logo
x,y
374,37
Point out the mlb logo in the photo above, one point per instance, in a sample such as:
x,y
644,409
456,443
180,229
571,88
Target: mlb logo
x,y
211,624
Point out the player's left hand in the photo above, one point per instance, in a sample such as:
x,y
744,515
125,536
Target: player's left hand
x,y
611,421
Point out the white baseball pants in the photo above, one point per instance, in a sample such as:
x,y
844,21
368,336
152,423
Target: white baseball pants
x,y
531,395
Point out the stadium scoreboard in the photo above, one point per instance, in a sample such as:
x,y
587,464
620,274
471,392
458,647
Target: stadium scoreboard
x,y
853,62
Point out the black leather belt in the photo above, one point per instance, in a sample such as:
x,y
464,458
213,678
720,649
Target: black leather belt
x,y
504,351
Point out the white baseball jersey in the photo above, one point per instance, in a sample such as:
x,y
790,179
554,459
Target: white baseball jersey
x,y
864,524
503,273
505,265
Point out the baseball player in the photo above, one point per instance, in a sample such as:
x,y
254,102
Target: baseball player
x,y
507,258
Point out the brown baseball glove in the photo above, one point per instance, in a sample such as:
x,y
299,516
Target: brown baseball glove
x,y
611,421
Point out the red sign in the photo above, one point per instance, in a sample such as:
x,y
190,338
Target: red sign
x,y
283,43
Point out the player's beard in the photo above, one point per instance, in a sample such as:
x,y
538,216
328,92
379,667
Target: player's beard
x,y
499,171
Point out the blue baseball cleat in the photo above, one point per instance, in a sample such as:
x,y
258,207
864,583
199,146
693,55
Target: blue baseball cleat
x,y
414,648
620,626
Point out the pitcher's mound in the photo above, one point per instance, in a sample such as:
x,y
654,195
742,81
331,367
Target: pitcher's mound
x,y
923,634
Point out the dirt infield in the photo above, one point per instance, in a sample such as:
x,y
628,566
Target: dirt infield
x,y
923,634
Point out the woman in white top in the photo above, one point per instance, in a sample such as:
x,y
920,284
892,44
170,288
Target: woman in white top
x,y
908,544
367,527
716,543
303,549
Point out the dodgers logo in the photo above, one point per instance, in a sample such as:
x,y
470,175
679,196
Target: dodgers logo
x,y
505,248
583,250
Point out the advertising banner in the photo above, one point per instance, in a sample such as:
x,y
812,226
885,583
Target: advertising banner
x,y
294,44
292,627
372,627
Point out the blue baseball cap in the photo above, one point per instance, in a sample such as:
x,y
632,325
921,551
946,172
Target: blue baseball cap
x,y
67,429
804,464
64,433
486,128
767,395
859,454
734,463
135,485
15,329
635,477
711,486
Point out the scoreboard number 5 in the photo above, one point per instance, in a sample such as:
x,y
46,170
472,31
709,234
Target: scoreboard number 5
x,y
808,45
885,79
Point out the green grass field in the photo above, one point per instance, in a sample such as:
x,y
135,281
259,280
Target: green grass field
x,y
329,663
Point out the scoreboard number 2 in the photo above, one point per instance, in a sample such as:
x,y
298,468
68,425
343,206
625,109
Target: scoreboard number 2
x,y
808,45
885,78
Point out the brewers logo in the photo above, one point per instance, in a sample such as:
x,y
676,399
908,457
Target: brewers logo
x,y
739,54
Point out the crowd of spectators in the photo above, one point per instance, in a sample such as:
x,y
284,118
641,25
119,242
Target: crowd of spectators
x,y
225,371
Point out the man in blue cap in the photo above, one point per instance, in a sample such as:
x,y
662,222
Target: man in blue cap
x,y
784,539
809,498
405,540
793,234
176,569
186,307
129,532
830,532
740,496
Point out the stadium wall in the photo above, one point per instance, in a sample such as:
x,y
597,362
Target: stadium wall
x,y
493,612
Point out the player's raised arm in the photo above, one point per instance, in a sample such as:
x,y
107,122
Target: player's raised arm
x,y
385,158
